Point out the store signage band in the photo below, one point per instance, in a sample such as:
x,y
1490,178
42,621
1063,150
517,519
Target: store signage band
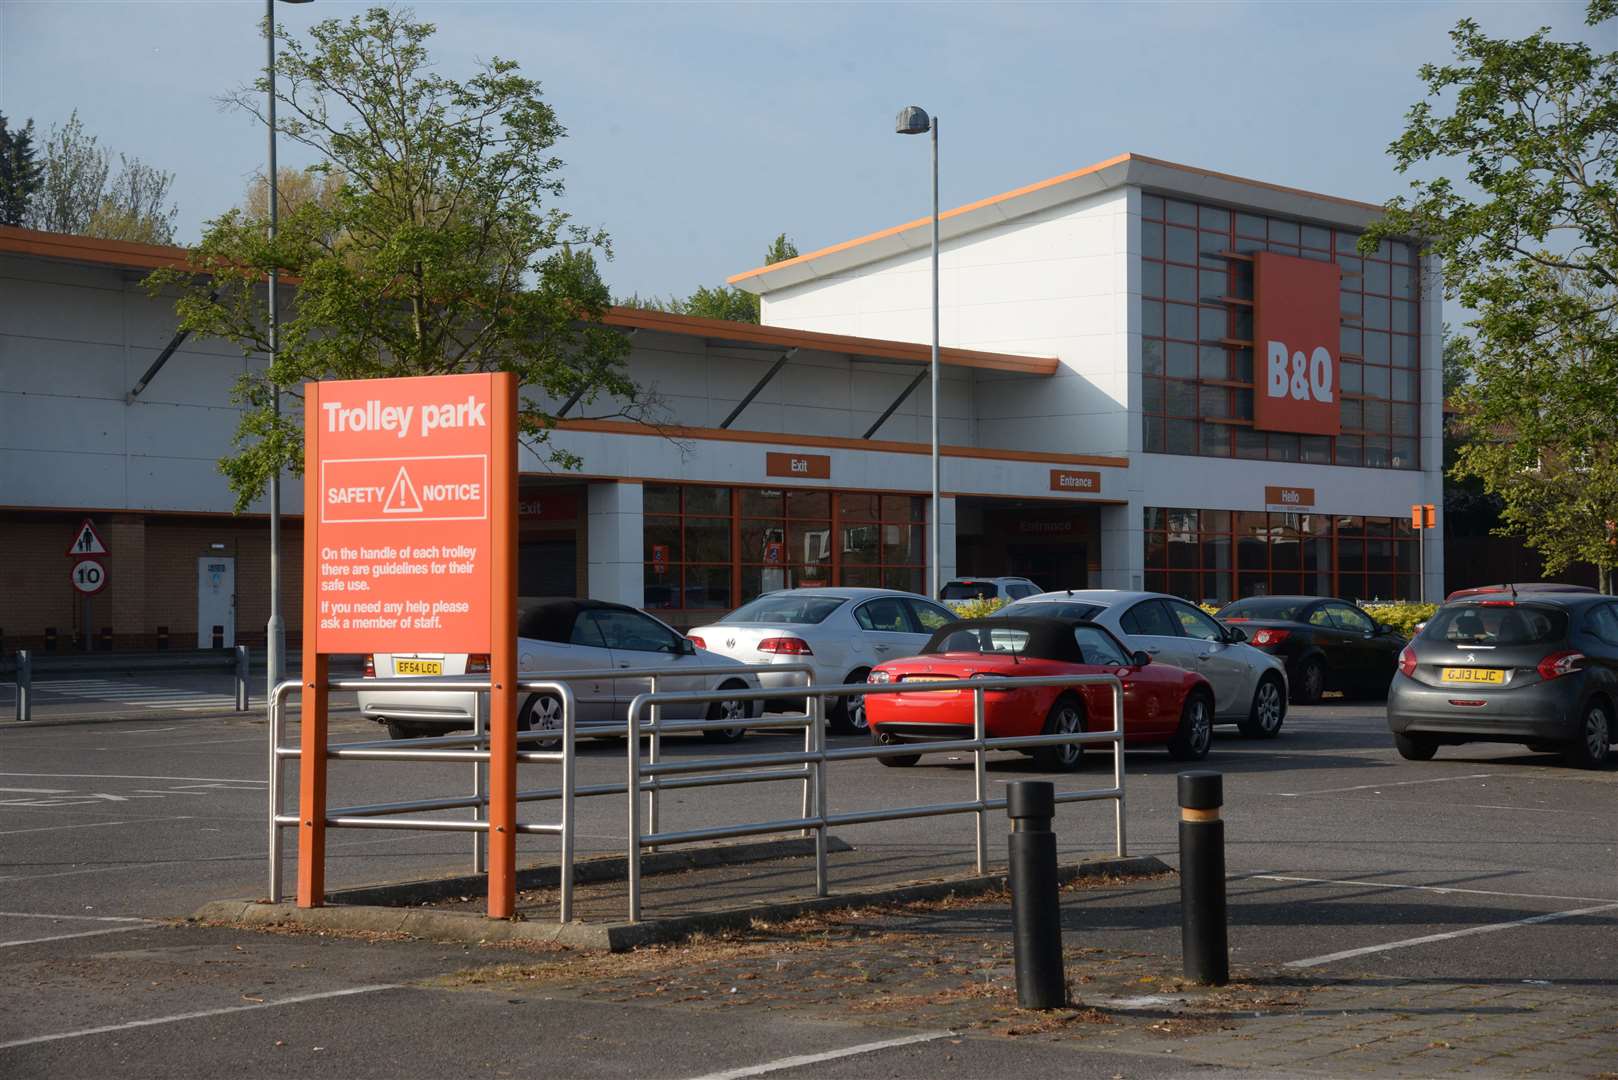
x,y
1083,483
1296,323
801,466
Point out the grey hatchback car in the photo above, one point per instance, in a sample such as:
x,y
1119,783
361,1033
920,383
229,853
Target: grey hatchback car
x,y
1541,670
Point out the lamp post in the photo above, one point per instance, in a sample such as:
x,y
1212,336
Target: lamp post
x,y
275,632
913,120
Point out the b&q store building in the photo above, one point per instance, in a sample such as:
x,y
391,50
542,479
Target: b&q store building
x,y
1153,376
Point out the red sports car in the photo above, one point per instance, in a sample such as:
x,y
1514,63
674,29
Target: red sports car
x,y
1163,705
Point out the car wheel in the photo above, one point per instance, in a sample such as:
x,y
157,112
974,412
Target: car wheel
x,y
541,712
847,715
1065,718
398,729
1589,750
1195,734
1311,684
1415,747
728,710
1268,711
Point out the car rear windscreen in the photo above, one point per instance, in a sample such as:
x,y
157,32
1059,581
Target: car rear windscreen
x,y
1496,624
982,639
794,610
1270,608
967,590
1059,609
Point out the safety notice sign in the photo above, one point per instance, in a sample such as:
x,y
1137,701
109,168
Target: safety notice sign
x,y
400,472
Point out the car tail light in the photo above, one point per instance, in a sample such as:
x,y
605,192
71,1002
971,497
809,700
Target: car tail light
x,y
370,666
1407,661
786,646
878,676
1497,603
1235,618
1558,664
1268,636
695,640
477,663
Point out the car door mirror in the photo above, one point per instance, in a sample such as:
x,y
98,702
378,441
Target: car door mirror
x,y
1140,658
686,647
1235,635
1385,628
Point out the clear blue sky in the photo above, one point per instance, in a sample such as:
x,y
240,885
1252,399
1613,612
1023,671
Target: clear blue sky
x,y
699,131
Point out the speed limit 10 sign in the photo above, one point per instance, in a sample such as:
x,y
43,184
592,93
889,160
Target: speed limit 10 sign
x,y
89,576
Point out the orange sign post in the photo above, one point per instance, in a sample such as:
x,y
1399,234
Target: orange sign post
x,y
1422,516
410,537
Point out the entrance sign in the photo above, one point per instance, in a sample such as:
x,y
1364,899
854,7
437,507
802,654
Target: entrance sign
x,y
87,543
1295,344
89,576
410,539
1087,483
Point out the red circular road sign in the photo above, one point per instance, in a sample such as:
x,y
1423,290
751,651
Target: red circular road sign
x,y
89,576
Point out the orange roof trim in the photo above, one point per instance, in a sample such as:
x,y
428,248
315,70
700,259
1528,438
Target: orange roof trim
x,y
91,249
1029,189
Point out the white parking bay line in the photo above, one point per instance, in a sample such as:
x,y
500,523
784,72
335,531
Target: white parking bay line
x,y
93,825
130,1025
1394,783
1316,961
808,1059
1441,889
80,918
129,776
64,937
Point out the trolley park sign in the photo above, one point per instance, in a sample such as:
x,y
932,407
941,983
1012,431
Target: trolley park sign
x,y
405,518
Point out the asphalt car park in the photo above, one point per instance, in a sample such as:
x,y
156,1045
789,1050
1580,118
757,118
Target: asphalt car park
x,y
1487,867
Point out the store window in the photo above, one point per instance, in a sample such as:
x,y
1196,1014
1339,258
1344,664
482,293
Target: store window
x,y
710,548
1215,556
1197,330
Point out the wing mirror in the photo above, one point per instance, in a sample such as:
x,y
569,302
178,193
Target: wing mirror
x,y
1140,658
1385,628
1235,634
687,647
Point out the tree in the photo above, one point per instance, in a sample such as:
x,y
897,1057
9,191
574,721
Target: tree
x,y
721,301
19,171
442,251
1532,247
79,194
293,188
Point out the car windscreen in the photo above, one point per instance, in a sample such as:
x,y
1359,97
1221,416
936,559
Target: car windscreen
x,y
1496,624
1060,609
967,590
1265,608
787,608
981,639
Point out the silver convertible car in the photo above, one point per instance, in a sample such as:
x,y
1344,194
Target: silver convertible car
x,y
555,637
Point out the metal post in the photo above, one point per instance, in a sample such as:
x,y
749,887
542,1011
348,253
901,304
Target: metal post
x,y
1036,910
1421,563
980,781
25,684
654,754
277,708
241,678
275,629
633,865
569,782
936,584
808,748
480,857
817,725
1202,879
1119,847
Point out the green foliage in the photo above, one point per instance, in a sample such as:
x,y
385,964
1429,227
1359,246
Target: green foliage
x,y
1402,616
78,192
19,171
721,301
441,250
1535,254
977,608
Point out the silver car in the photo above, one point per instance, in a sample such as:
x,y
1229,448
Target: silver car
x,y
841,633
1250,686
554,637
964,590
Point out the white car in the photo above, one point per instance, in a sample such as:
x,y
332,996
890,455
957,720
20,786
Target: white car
x,y
843,633
1249,685
963,590
554,637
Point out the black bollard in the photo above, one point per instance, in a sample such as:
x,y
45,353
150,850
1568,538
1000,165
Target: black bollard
x,y
1202,879
1036,913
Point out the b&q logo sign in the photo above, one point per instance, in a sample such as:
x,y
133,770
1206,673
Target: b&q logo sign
x,y
1295,343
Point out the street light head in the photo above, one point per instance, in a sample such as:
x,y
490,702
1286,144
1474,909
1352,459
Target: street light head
x,y
296,1
913,120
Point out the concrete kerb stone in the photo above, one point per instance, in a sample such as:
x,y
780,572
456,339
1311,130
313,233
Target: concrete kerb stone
x,y
439,925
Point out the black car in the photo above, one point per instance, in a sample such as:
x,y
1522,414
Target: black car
x,y
1541,670
1326,643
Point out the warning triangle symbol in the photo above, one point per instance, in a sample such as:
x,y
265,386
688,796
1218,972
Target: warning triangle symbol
x,y
86,542
402,498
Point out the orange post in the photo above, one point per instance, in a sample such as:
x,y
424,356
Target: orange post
x,y
312,727
502,651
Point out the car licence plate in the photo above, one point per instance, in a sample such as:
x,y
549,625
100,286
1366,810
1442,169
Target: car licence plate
x,y
1473,675
418,667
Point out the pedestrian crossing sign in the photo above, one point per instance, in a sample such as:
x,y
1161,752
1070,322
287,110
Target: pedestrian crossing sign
x,y
87,543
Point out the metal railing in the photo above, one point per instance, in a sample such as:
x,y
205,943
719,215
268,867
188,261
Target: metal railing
x,y
816,756
473,748
25,681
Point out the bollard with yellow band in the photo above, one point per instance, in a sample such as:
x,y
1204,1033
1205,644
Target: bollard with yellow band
x,y
1203,938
